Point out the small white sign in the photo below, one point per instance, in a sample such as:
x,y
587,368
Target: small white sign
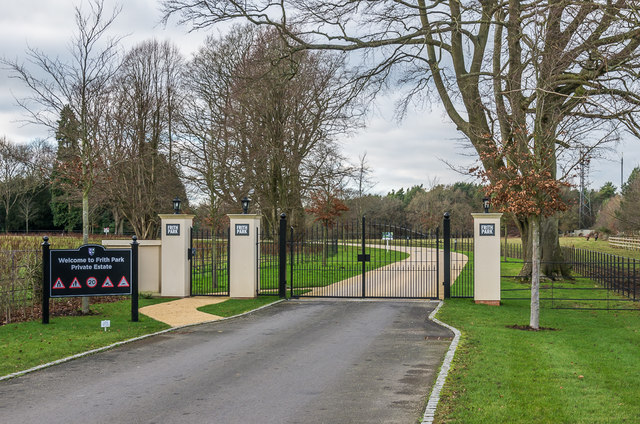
x,y
105,324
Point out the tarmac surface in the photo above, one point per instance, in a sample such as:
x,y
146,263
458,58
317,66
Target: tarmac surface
x,y
293,362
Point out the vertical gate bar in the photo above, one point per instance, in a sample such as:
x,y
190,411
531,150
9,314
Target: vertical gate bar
x,y
447,255
635,282
191,262
291,260
437,283
364,263
228,259
282,281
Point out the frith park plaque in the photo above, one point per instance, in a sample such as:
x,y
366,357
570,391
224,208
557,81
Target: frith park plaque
x,y
242,229
173,229
487,229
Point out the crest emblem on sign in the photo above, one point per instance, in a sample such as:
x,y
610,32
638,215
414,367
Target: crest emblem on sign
x,y
92,251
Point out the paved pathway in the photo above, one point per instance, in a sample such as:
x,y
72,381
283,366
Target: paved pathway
x,y
414,277
183,311
294,362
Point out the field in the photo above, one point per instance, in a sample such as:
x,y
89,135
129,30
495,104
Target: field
x,y
582,368
591,244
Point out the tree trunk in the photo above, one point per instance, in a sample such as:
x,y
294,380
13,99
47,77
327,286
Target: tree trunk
x,y
552,261
534,320
85,238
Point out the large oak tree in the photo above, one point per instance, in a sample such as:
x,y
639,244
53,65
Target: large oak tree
x,y
559,74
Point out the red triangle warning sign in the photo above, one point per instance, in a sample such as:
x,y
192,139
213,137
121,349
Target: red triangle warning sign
x,y
123,282
75,284
107,282
58,284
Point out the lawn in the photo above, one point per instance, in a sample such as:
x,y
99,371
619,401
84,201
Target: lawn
x,y
309,270
582,243
28,344
233,307
584,370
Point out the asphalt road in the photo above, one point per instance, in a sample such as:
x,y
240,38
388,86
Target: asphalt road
x,y
295,362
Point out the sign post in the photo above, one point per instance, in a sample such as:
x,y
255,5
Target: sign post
x,y
386,236
134,279
45,280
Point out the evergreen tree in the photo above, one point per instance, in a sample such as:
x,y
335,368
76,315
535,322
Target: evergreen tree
x,y
65,192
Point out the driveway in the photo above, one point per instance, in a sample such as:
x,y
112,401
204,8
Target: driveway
x,y
295,362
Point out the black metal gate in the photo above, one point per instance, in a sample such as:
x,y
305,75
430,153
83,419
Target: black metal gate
x,y
209,255
365,259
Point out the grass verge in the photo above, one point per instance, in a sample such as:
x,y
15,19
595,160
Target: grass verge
x,y
232,307
28,344
583,371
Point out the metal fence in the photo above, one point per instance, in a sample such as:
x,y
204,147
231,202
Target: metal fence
x,y
210,262
598,281
268,245
20,282
462,264
365,259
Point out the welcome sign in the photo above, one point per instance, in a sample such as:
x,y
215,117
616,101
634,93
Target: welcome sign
x,y
90,270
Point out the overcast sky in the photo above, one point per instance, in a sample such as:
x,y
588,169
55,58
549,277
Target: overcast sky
x,y
403,154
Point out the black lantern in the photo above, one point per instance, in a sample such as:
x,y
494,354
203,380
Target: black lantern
x,y
485,204
176,205
245,205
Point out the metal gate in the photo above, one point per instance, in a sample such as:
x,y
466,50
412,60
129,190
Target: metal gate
x,y
364,260
209,256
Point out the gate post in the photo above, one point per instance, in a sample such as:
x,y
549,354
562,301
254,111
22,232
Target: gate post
x,y
282,257
244,256
175,275
446,227
486,258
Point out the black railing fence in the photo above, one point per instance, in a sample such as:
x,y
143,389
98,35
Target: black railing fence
x,y
595,276
268,245
462,264
210,262
364,258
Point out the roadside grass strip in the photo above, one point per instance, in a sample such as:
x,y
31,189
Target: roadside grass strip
x,y
432,404
16,337
233,307
582,368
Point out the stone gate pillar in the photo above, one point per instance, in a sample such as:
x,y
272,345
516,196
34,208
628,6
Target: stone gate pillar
x,y
244,255
486,258
175,266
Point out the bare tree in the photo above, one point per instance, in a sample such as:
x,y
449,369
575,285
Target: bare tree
x,y
362,181
24,169
209,150
262,119
81,83
13,164
143,102
562,74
